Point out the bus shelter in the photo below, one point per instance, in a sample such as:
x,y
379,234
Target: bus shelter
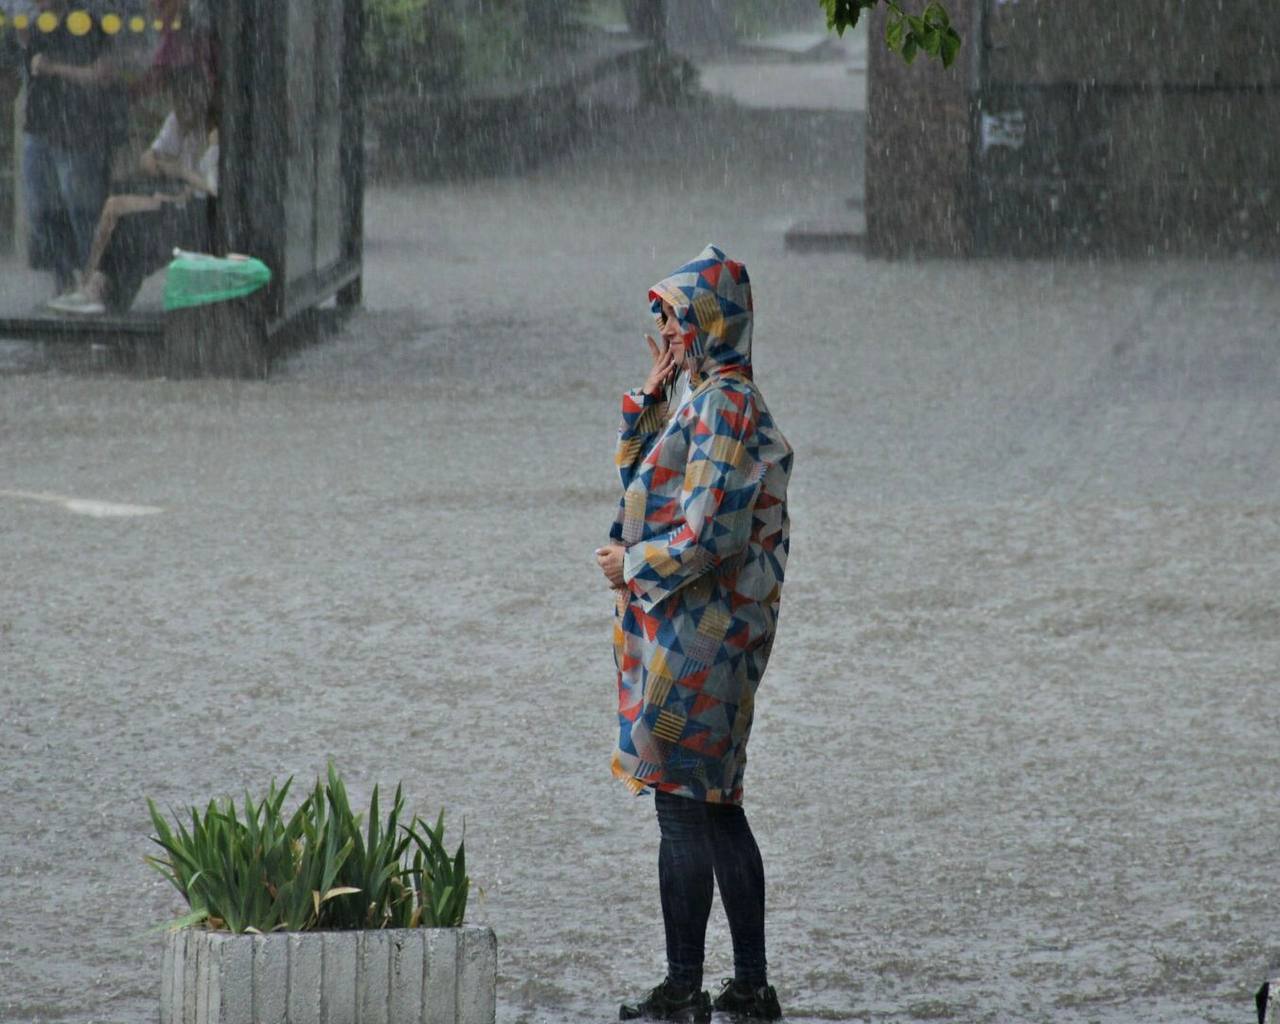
x,y
286,103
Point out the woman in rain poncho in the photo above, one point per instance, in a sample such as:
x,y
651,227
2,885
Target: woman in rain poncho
x,y
699,549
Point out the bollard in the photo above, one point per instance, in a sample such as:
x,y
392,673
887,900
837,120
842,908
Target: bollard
x,y
222,339
215,321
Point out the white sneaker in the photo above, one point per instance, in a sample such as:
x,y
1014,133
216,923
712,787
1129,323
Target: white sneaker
x,y
63,295
78,302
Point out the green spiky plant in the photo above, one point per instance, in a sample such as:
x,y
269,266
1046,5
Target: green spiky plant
x,y
256,869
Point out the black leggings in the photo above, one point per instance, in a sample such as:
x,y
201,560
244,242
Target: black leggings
x,y
701,841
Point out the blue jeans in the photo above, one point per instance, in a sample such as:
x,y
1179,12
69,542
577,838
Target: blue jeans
x,y
64,191
702,841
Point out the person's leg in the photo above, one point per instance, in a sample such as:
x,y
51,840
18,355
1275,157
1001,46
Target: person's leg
x,y
113,210
118,213
141,244
739,873
42,203
82,180
740,878
687,885
685,878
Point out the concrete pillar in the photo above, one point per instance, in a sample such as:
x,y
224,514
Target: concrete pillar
x,y
919,129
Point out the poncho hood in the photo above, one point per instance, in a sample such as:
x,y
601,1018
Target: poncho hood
x,y
711,296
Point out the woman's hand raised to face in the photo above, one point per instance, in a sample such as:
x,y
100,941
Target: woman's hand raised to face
x,y
663,371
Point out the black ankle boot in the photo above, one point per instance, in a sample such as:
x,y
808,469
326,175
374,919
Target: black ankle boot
x,y
670,1002
746,1002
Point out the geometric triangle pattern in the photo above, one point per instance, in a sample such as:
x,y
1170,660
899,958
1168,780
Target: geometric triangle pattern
x,y
703,517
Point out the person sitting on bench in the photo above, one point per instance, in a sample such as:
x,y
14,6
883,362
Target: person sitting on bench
x,y
136,233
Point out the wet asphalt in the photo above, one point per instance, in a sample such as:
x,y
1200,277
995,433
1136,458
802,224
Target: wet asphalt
x,y
1015,748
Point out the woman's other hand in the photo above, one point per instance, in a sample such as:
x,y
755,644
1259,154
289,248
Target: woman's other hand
x,y
609,558
663,370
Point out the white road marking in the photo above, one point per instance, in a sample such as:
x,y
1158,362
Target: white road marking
x,y
86,506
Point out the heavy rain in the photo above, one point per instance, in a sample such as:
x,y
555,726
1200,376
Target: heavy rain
x,y
1014,754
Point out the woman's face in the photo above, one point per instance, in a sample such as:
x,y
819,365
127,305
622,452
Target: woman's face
x,y
670,331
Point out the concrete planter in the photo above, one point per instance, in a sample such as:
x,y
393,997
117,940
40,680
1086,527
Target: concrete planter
x,y
420,975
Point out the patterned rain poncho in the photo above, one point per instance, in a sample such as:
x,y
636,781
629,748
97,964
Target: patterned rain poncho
x,y
704,519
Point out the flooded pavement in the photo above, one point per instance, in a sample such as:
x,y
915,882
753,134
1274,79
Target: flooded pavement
x,y
1015,750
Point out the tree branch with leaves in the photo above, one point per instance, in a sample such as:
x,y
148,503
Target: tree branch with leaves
x,y
905,34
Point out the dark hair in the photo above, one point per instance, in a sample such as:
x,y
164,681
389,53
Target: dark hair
x,y
190,81
192,93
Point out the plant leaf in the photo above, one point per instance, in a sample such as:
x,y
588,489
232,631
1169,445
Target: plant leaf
x,y
893,33
950,47
186,921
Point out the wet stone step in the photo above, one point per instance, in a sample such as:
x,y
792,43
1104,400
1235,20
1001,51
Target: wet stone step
x,y
837,233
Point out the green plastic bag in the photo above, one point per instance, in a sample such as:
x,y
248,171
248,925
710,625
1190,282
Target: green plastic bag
x,y
197,279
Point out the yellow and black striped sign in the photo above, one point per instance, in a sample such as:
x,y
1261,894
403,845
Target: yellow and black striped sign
x,y
80,23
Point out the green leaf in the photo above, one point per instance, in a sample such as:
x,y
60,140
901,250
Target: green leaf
x,y
931,42
936,15
842,14
909,49
950,47
849,18
894,31
460,862
829,6
195,917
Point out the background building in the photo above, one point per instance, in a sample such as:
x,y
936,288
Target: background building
x,y
1139,128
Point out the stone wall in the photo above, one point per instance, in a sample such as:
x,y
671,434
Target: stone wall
x,y
1089,127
